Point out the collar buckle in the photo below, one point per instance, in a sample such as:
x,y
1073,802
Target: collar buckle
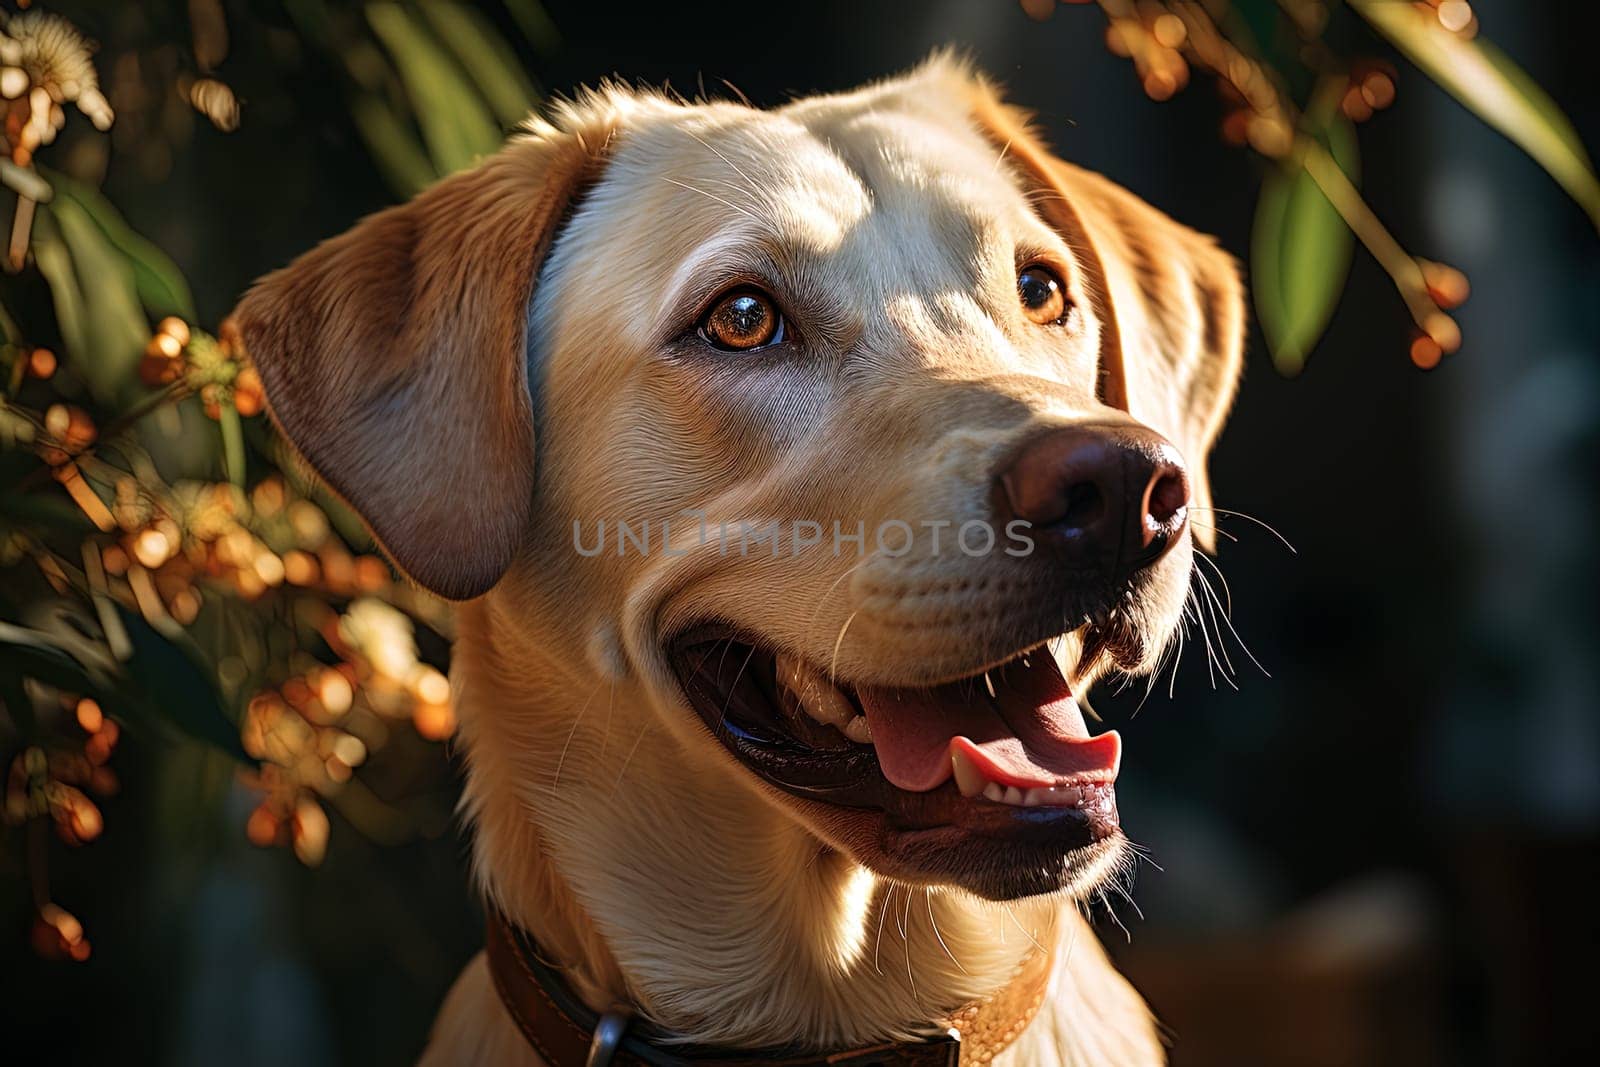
x,y
609,1031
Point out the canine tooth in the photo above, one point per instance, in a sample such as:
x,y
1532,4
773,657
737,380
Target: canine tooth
x,y
1013,796
816,694
858,730
968,779
988,683
993,791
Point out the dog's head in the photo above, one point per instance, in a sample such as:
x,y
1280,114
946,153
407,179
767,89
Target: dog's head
x,y
867,432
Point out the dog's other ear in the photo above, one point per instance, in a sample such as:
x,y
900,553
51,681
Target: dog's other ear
x,y
394,356
1169,300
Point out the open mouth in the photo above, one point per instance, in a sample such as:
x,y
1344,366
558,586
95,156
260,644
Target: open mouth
x,y
1003,755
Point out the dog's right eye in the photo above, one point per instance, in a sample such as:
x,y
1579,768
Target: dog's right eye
x,y
741,321
1044,299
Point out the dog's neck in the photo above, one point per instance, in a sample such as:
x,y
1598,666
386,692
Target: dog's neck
x,y
658,880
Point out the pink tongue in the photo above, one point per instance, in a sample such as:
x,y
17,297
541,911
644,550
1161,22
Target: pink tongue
x,y
1030,733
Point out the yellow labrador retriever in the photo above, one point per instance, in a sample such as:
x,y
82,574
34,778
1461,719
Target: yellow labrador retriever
x,y
794,469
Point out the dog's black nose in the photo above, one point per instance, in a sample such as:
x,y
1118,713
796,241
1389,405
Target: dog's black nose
x,y
1111,498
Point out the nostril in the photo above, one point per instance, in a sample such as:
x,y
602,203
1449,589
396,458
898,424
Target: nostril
x,y
1111,498
1085,505
1168,496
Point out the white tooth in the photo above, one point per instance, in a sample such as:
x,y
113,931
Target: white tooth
x,y
1013,796
969,779
993,791
988,683
858,730
816,694
1059,796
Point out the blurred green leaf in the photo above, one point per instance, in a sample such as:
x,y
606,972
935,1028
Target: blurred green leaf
x,y
29,653
404,163
535,24
1500,92
170,675
456,125
232,443
161,286
55,263
1300,246
313,18
8,327
14,698
41,511
486,57
98,290
163,684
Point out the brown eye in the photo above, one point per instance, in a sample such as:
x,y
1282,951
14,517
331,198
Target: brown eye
x,y
742,321
1043,299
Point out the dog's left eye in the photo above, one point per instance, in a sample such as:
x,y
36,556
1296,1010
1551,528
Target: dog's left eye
x,y
1044,300
741,321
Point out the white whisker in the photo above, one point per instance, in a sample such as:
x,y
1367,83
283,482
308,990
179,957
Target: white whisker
x,y
927,896
711,196
1251,518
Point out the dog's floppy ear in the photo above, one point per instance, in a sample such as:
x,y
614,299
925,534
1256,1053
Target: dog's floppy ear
x,y
394,356
1169,300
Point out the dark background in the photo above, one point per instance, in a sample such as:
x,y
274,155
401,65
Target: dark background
x,y
1383,852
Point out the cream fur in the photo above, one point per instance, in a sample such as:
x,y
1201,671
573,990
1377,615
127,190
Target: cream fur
x,y
605,819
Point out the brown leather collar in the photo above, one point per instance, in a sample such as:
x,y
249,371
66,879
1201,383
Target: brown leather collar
x,y
561,1027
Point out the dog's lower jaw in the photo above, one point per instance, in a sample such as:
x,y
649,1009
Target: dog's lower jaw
x,y
714,912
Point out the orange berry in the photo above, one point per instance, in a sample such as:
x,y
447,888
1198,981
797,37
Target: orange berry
x,y
248,396
1236,127
175,328
152,548
165,346
299,567
90,717
262,827
84,818
1355,106
1455,15
429,685
157,370
97,749
310,832
1169,29
185,605
1121,35
436,722
371,574
1443,330
1447,286
1425,353
41,363
1377,91
57,934
71,426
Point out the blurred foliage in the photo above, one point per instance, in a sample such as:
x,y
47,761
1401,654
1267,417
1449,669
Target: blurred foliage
x,y
165,566
1297,76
